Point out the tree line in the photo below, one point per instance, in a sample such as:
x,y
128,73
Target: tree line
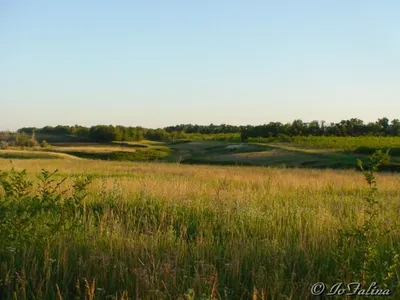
x,y
352,127
107,133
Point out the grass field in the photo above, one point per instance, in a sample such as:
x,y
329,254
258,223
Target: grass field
x,y
157,230
292,152
172,231
361,144
208,152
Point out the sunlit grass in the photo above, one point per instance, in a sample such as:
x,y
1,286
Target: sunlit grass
x,y
163,231
339,143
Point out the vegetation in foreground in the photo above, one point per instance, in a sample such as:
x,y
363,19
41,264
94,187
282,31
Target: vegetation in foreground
x,y
157,231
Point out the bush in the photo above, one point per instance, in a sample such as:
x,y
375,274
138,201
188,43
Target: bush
x,y
21,139
44,144
31,143
3,145
23,207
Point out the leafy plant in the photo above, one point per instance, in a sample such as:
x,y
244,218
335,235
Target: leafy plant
x,y
26,214
363,240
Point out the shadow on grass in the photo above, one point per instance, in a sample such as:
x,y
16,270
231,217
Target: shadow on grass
x,y
26,156
294,159
179,142
370,150
145,155
91,144
62,138
126,145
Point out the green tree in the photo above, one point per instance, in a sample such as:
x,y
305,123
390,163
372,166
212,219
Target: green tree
x,y
395,127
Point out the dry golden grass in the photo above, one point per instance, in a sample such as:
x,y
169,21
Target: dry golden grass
x,y
160,231
160,176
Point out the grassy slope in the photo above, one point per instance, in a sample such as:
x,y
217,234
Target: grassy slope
x,y
365,145
25,154
269,154
301,153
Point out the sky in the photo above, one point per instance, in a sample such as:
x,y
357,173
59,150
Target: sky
x,y
159,63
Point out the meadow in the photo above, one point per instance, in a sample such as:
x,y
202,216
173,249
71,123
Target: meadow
x,y
132,226
216,149
359,144
174,231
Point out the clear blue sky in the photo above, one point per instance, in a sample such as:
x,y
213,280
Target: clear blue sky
x,y
160,63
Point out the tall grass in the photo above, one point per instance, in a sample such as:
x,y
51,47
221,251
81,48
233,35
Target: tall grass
x,y
158,231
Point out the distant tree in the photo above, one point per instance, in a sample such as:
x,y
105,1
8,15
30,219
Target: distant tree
x,y
81,131
27,130
21,139
139,133
395,127
373,128
47,130
102,133
157,134
314,128
119,133
383,125
297,128
355,127
107,133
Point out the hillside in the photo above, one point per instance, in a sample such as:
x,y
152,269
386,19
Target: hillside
x,y
304,154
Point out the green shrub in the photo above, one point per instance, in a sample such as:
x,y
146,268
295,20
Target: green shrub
x,y
28,214
364,239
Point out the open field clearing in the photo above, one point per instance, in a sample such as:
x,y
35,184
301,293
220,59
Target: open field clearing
x,y
211,152
297,151
359,144
24,154
172,231
283,154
